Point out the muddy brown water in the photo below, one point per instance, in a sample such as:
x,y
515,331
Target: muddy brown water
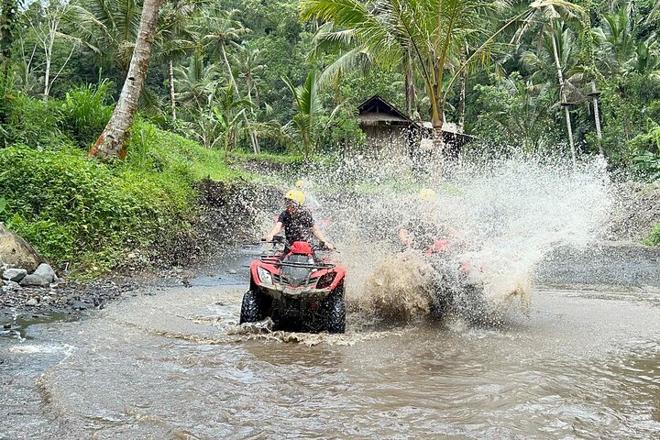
x,y
175,366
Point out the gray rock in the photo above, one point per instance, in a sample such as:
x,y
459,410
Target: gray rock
x,y
46,272
78,305
17,252
32,302
33,280
14,274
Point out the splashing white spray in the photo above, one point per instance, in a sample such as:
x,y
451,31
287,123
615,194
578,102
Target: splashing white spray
x,y
505,213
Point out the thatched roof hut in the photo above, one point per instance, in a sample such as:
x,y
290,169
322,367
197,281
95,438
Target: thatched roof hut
x,y
384,124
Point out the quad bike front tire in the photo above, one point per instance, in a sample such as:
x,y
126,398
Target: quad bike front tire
x,y
252,309
335,311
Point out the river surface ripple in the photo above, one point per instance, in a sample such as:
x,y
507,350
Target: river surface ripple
x,y
174,365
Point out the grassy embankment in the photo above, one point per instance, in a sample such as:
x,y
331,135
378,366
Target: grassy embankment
x,y
97,217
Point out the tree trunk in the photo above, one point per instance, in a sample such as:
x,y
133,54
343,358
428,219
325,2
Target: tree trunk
x,y
599,134
461,98
567,114
172,95
411,98
437,120
47,75
110,143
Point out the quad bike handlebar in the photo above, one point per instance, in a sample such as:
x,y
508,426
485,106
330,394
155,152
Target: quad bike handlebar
x,y
278,239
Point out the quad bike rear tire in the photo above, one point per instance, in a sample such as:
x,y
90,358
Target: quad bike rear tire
x,y
252,309
335,311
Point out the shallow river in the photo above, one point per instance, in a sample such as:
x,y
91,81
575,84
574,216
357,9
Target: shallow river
x,y
175,366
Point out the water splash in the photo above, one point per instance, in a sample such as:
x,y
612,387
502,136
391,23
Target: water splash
x,y
502,216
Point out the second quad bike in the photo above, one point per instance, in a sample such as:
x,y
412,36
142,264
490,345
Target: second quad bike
x,y
296,288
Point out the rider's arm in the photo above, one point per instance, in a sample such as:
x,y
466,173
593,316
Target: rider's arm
x,y
273,232
318,234
405,236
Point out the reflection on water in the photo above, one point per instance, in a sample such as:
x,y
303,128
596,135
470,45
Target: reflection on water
x,y
174,366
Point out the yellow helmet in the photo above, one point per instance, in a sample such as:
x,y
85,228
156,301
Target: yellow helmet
x,y
427,194
295,195
300,183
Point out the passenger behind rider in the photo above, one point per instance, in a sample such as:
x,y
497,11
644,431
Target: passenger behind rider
x,y
423,233
297,222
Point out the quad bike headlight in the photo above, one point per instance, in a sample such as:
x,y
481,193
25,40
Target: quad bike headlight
x,y
264,276
326,280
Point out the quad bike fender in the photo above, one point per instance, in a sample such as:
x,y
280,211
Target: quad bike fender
x,y
340,274
254,274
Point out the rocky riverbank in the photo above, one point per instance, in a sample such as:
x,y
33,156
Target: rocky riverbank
x,y
229,214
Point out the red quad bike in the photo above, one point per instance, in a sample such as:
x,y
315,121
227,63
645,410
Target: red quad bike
x,y
296,289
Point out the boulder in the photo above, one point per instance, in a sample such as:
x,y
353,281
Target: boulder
x,y
14,274
11,285
17,252
46,272
33,280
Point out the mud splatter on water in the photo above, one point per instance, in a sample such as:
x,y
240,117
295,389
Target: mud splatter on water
x,y
502,217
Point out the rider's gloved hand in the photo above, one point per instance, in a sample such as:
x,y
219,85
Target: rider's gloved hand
x,y
268,238
329,246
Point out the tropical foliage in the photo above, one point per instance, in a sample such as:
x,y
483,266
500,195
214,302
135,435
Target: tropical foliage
x,y
236,74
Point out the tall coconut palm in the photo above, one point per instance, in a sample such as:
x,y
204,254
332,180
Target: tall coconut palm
x,y
197,83
433,30
306,122
109,28
224,29
176,37
547,20
228,112
308,107
249,65
110,143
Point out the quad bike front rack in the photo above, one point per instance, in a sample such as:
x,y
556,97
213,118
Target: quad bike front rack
x,y
275,261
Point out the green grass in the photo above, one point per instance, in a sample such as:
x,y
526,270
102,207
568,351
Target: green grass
x,y
154,150
76,210
279,159
653,238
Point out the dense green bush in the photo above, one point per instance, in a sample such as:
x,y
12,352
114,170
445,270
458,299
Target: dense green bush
x,y
75,209
34,122
646,148
67,205
85,112
654,237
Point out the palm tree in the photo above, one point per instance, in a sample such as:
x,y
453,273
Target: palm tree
x,y
110,143
224,29
308,106
249,65
229,113
305,123
109,28
175,38
197,83
431,32
547,18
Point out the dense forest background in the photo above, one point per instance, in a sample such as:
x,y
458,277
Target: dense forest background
x,y
227,70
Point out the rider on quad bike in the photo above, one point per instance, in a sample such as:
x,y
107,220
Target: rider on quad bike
x,y
297,222
294,286
455,288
